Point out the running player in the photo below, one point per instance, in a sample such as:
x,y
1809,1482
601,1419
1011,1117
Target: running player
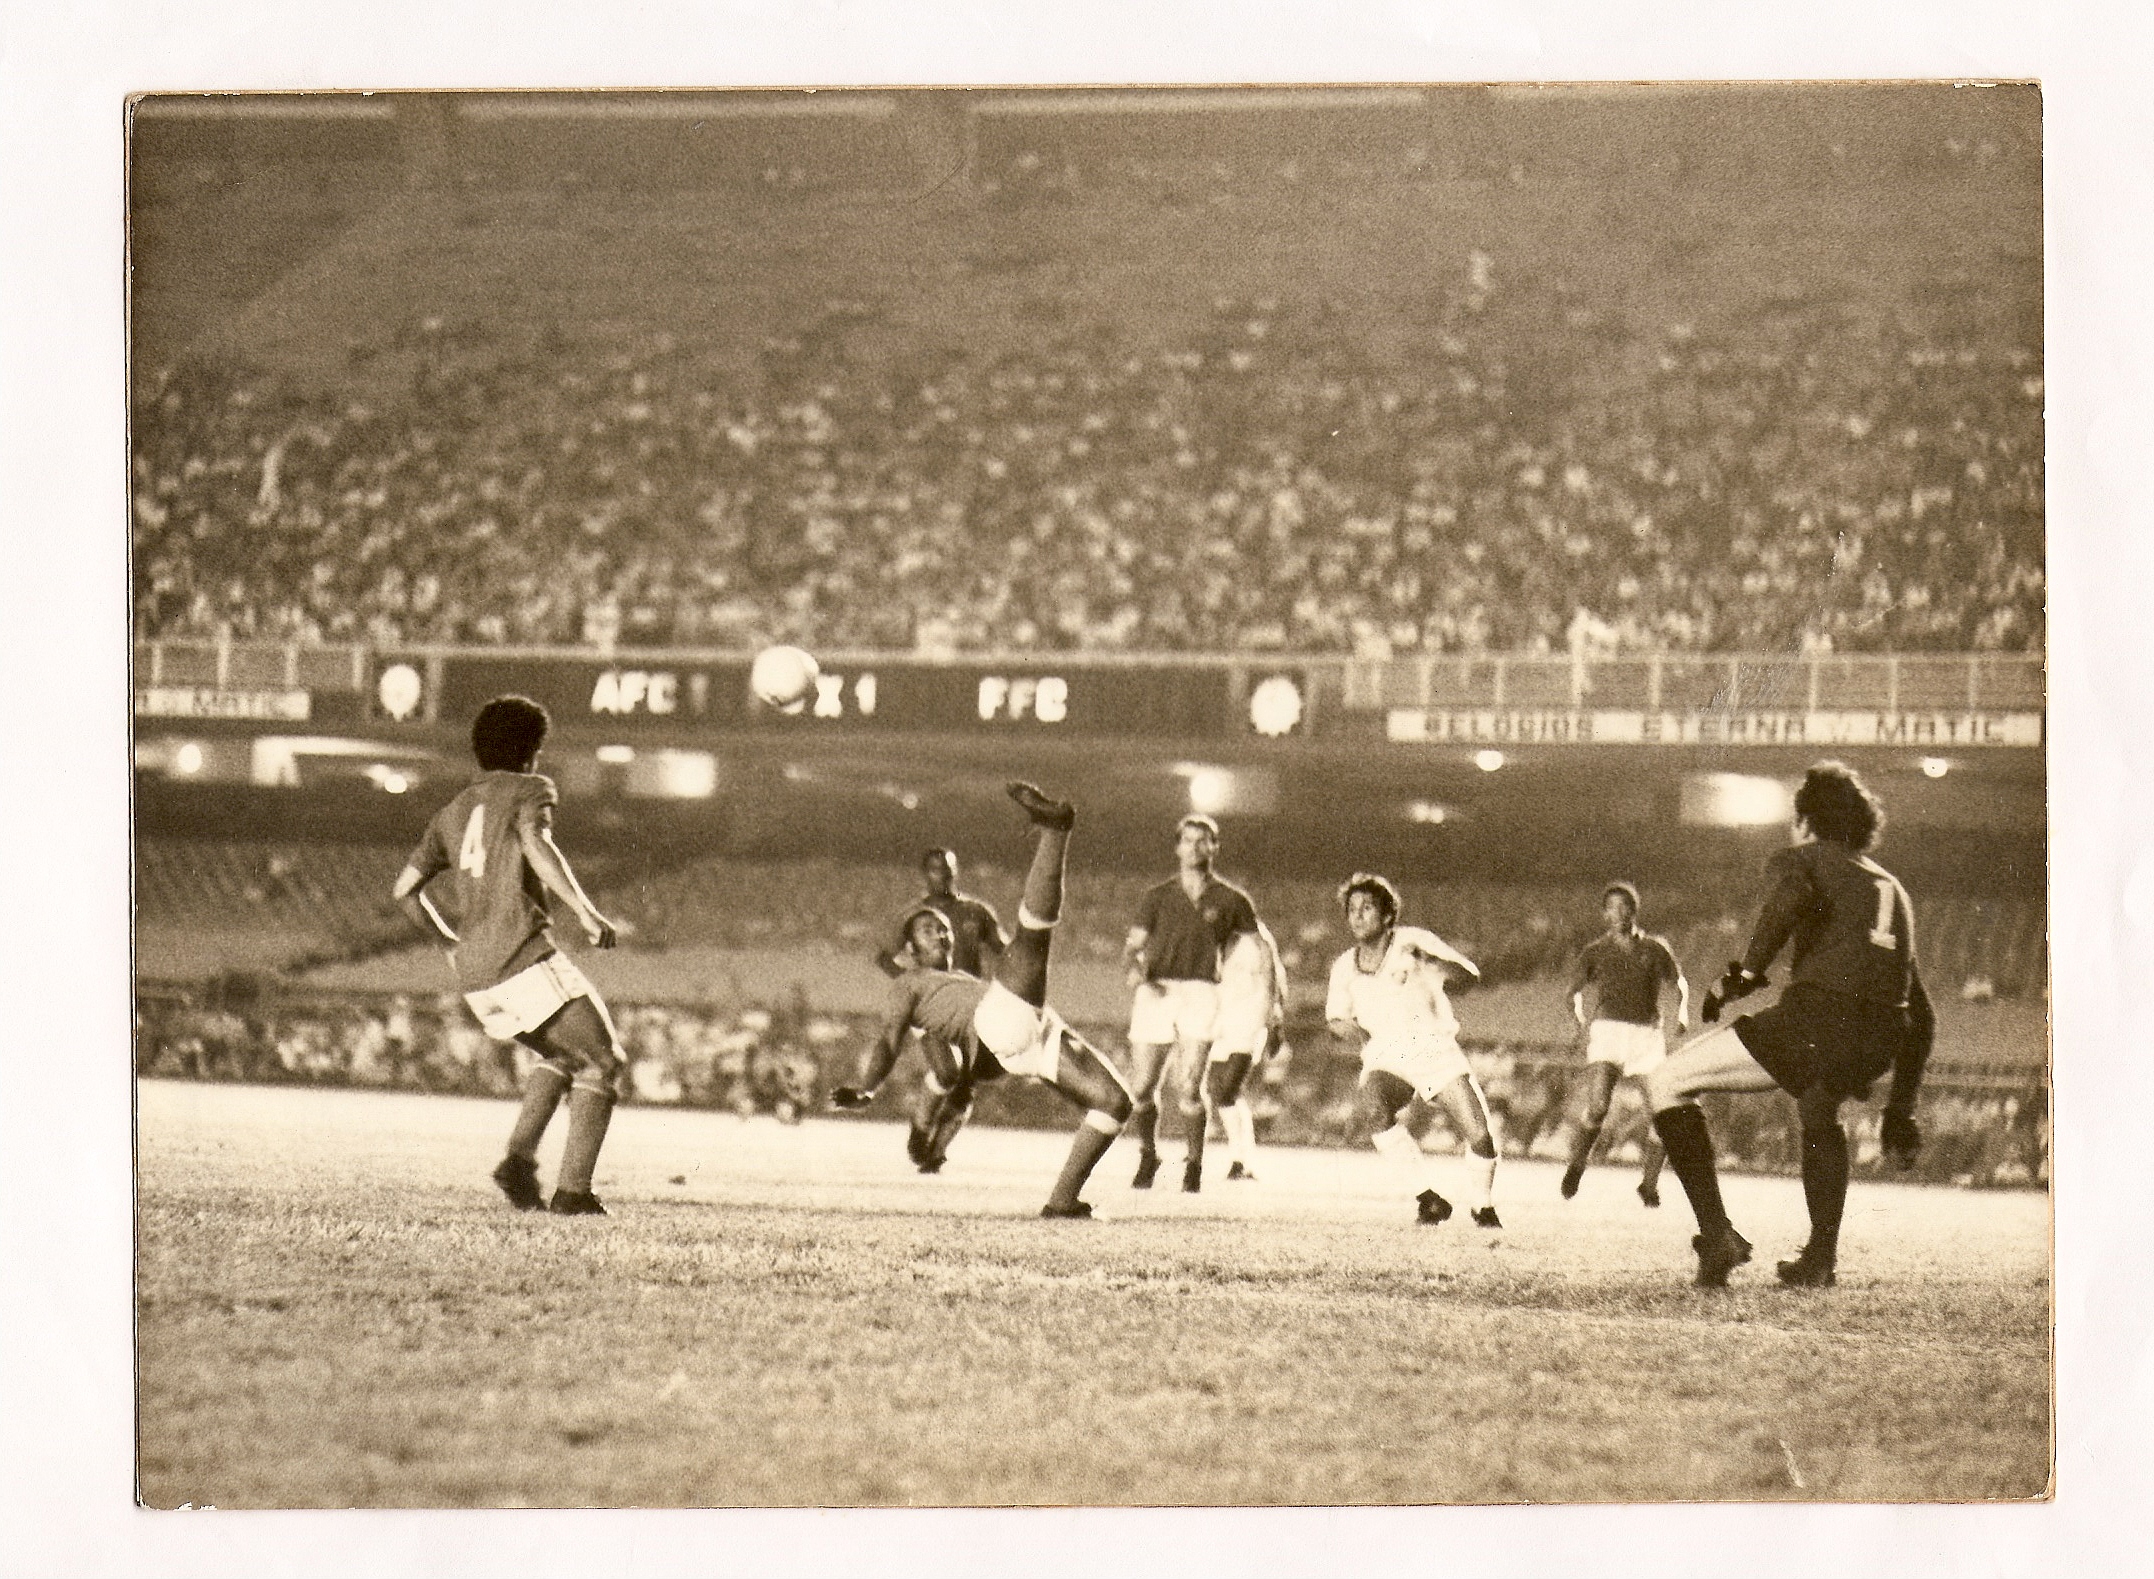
x,y
1854,1008
1004,1025
1173,959
976,943
1252,1008
495,839
1626,968
1388,998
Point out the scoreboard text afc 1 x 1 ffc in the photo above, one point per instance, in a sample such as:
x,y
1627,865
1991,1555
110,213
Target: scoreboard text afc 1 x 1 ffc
x,y
1162,700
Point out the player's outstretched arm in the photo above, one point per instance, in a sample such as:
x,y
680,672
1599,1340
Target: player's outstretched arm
x,y
553,870
1682,1001
874,1069
410,898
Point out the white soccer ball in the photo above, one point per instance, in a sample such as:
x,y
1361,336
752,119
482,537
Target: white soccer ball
x,y
783,677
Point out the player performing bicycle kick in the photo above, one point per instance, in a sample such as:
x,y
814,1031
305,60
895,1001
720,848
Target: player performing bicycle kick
x,y
1003,1026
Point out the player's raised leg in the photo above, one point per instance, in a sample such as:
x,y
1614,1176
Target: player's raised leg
x,y
1599,1084
1384,1099
1085,1076
1716,1061
1023,966
581,1037
1467,1109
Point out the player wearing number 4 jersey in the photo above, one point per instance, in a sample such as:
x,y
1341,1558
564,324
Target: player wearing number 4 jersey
x,y
494,842
1854,1008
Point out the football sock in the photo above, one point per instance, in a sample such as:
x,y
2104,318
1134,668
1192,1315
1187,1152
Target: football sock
x,y
1197,1127
1090,1143
1040,905
1655,1155
1398,1144
1240,1122
1690,1153
543,1090
1582,1144
1144,1124
589,1112
1824,1187
1480,1176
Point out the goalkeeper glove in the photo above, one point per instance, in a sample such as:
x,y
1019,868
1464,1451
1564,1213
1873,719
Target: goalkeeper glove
x,y
1735,982
1901,1138
851,1097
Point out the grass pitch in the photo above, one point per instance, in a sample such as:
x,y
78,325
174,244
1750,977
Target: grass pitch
x,y
336,1309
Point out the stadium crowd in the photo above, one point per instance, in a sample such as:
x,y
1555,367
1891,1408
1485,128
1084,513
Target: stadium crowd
x,y
784,1061
1809,477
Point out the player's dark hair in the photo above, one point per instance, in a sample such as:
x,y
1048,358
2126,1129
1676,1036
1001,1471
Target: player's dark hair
x,y
1197,819
948,858
940,920
1629,893
508,732
1838,806
1377,888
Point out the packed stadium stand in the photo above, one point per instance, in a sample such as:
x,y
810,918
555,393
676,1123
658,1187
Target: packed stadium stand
x,y
1092,397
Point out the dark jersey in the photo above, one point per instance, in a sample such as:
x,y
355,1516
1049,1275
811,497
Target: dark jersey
x,y
1627,977
1183,941
1848,918
497,903
939,1002
975,930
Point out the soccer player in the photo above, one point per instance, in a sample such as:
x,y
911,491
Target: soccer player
x,y
495,839
1626,968
1252,1008
1004,1025
1854,1008
1173,958
1388,997
977,939
976,943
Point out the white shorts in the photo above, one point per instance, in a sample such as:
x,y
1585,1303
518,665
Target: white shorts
x,y
1426,1064
1025,1041
1174,1011
531,997
1637,1050
1241,1031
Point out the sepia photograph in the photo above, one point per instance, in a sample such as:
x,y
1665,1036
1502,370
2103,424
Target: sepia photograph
x,y
1090,797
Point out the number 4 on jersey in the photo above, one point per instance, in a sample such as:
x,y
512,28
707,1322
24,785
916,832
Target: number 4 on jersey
x,y
471,857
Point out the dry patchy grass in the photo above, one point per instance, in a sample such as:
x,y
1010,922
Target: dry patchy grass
x,y
336,1310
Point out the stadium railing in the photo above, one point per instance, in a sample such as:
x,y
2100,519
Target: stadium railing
x,y
1678,683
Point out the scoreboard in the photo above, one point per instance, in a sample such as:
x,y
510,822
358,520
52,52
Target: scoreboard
x,y
694,695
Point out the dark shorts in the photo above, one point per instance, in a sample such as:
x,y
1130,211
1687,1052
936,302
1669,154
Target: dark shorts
x,y
1813,1037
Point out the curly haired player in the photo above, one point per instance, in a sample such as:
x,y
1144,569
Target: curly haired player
x,y
1854,1008
1387,998
495,839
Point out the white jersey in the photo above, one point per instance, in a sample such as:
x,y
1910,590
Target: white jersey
x,y
1252,982
1252,995
1402,1002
